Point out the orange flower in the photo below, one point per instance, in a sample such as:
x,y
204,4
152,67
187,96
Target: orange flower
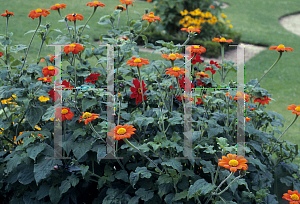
x,y
172,56
41,136
227,94
51,57
281,48
38,12
191,29
184,97
292,196
196,49
137,62
263,100
233,162
151,18
7,14
127,2
120,7
121,132
202,75
248,119
74,17
239,95
50,70
58,6
45,79
222,40
75,48
88,117
63,113
199,101
149,1
95,4
211,6
176,71
294,108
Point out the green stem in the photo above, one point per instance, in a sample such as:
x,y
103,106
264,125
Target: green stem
x,y
185,42
128,24
66,21
4,111
222,52
95,8
142,32
75,31
39,23
280,54
131,145
43,40
224,181
182,99
288,127
218,194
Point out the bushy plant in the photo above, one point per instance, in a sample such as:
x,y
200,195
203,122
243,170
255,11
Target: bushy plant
x,y
151,99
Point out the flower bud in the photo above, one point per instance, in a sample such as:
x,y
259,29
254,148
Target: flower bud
x,y
55,168
120,77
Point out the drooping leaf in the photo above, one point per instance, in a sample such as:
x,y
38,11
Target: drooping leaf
x,y
200,187
33,115
54,194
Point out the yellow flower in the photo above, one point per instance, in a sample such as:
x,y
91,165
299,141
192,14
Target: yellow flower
x,y
228,21
230,26
223,15
37,127
184,13
42,98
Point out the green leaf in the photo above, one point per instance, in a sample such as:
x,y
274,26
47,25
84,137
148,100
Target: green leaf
x,y
84,169
214,131
34,150
164,178
43,191
208,167
16,62
256,162
287,180
78,132
73,180
222,142
101,182
87,103
143,121
104,20
145,39
5,42
13,162
200,187
181,195
164,188
145,173
65,186
133,178
144,195
122,175
81,148
43,168
54,194
174,163
25,176
33,115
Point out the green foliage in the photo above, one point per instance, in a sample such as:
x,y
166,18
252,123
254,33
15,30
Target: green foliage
x,y
32,172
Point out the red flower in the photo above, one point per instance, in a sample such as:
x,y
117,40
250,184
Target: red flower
x,y
54,95
211,6
75,48
51,57
7,14
50,70
263,100
63,114
121,132
95,4
38,12
200,83
92,78
137,62
191,29
176,71
281,48
182,83
199,101
215,63
1,54
210,69
74,17
58,6
45,79
127,2
151,18
248,119
41,136
137,92
197,59
184,97
66,85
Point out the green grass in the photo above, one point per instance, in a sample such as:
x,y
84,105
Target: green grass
x,y
257,21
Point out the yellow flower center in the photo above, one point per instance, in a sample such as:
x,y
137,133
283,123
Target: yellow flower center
x,y
281,46
86,115
191,27
74,14
172,55
121,131
151,15
72,45
57,4
222,39
45,78
294,197
50,68
196,46
64,111
297,108
38,11
176,69
96,2
233,162
137,60
139,91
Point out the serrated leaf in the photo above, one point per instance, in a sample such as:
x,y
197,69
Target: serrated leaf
x,y
145,173
34,150
82,148
200,187
174,163
54,194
